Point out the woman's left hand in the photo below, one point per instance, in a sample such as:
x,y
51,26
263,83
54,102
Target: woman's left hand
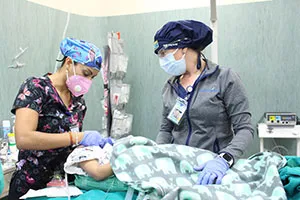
x,y
94,138
212,171
108,140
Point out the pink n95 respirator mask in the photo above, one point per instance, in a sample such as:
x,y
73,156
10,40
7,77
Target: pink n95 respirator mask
x,y
78,85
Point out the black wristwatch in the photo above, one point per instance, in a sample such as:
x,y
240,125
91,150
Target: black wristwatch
x,y
227,157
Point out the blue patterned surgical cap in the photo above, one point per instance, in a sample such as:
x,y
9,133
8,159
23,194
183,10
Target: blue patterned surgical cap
x,y
82,52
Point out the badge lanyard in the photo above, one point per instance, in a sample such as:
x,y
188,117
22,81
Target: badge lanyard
x,y
178,110
74,128
181,105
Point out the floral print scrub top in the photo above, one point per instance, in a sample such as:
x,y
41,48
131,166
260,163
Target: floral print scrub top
x,y
35,167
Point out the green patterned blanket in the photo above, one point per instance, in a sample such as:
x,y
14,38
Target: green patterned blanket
x,y
166,172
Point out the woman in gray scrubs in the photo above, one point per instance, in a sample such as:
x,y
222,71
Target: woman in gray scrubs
x,y
204,104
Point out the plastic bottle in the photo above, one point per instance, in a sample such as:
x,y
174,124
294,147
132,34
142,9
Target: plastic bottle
x,y
12,143
4,146
14,121
6,128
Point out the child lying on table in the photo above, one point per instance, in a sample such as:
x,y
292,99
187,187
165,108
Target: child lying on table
x,y
92,169
92,161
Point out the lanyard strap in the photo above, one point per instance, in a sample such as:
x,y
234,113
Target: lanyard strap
x,y
190,88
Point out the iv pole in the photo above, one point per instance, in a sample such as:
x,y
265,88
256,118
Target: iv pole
x,y
214,26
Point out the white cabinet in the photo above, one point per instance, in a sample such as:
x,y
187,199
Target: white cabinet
x,y
285,132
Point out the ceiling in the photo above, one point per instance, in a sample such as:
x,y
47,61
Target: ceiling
x,y
100,8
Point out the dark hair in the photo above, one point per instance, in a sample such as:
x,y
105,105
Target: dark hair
x,y
63,60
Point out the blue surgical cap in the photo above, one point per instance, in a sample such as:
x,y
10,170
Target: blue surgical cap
x,y
82,52
181,34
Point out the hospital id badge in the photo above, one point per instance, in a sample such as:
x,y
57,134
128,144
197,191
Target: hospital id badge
x,y
178,111
74,128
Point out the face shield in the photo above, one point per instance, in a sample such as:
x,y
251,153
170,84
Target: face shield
x,y
162,49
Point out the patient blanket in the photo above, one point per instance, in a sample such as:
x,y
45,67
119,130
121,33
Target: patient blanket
x,y
166,172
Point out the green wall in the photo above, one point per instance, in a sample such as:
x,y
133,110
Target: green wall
x,y
258,40
41,29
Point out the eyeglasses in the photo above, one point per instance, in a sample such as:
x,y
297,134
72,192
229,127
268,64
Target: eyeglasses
x,y
163,52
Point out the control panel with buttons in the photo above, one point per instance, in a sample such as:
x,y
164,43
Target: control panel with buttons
x,y
281,118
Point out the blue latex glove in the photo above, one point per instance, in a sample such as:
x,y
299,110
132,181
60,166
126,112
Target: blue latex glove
x,y
91,138
94,138
105,141
212,171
